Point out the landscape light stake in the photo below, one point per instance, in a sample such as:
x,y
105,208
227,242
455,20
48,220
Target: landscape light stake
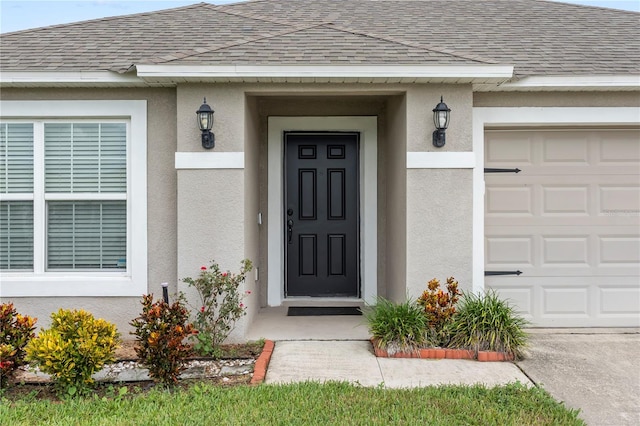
x,y
165,292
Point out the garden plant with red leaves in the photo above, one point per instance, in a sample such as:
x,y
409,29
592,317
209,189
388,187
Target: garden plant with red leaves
x,y
439,307
161,331
16,331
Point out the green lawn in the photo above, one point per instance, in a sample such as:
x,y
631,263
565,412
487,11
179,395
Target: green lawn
x,y
301,404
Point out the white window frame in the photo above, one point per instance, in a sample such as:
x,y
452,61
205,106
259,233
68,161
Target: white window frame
x,y
133,281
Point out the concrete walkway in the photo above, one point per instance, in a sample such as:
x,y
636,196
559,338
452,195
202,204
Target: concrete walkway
x,y
596,370
354,361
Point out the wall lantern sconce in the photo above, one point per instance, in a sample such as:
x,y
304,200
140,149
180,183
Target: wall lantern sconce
x,y
441,114
205,121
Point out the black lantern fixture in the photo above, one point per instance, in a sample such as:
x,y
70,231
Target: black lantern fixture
x,y
441,114
205,121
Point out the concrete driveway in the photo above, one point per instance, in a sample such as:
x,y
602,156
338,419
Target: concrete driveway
x,y
595,370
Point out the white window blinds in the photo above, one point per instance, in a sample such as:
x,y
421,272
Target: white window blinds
x,y
88,158
16,235
86,234
16,160
16,188
85,157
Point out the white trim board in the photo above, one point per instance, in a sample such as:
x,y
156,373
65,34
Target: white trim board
x,y
40,283
495,73
367,126
69,78
441,160
567,83
209,160
543,117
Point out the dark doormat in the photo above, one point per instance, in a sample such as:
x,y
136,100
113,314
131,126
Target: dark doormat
x,y
306,311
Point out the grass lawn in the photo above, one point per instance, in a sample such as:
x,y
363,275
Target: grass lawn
x,y
300,404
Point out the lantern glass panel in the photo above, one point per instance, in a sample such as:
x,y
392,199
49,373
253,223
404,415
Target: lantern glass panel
x,y
205,120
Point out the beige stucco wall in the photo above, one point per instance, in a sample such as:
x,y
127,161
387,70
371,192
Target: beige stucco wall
x,y
422,99
439,237
211,214
161,203
556,99
394,214
439,227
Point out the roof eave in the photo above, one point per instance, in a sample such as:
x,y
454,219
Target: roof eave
x,y
326,73
485,78
574,83
70,79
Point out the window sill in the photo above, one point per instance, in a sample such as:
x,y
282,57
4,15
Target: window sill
x,y
67,285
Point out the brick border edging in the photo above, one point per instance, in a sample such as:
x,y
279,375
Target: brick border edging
x,y
260,367
440,353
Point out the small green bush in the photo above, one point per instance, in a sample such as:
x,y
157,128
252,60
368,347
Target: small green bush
x,y
484,322
161,331
397,327
73,348
221,306
16,331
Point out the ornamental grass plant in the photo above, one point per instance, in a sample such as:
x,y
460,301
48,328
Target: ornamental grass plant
x,y
484,322
396,327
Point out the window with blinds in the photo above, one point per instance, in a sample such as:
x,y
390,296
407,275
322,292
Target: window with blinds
x,y
81,190
16,192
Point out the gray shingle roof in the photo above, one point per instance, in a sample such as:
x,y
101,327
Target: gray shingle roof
x,y
539,37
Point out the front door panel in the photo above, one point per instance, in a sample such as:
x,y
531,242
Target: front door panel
x,y
321,214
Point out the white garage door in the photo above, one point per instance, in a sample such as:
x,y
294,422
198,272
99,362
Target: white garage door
x,y
570,221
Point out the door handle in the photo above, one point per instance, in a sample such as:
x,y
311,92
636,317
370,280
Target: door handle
x,y
290,229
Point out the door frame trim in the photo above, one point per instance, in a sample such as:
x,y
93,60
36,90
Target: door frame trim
x,y
367,126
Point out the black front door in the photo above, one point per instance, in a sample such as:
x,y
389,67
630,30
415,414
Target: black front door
x,y
321,220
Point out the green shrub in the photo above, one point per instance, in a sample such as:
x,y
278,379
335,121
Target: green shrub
x,y
16,331
396,327
161,331
221,306
439,307
484,322
73,348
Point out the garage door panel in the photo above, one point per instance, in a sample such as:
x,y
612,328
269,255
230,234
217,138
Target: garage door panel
x,y
620,301
570,221
575,302
570,200
619,250
509,250
619,200
509,200
615,147
559,301
508,148
566,149
566,250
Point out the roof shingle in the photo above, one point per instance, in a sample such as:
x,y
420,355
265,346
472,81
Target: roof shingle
x,y
538,37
